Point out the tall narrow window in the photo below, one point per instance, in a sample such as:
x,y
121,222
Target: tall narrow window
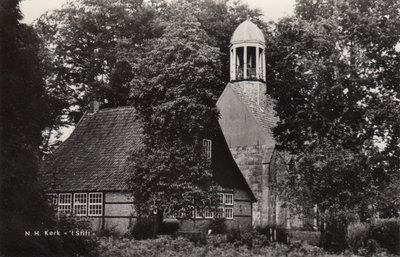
x,y
95,204
207,145
239,60
80,204
64,203
228,213
251,63
229,199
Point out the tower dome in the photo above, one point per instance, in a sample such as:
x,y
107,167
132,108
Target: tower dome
x,y
247,32
247,53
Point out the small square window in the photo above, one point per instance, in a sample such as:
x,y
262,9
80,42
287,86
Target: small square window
x,y
228,213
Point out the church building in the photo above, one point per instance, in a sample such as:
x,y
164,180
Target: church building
x,y
247,119
86,176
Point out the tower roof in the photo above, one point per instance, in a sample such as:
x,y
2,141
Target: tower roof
x,y
247,32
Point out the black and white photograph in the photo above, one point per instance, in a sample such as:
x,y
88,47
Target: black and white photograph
x,y
214,128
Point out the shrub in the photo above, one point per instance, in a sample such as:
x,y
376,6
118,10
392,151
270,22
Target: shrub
x,y
144,228
195,237
218,226
387,233
311,237
169,227
108,232
357,235
59,239
246,237
71,243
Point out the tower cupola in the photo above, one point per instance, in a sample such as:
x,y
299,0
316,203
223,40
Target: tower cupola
x,y
247,53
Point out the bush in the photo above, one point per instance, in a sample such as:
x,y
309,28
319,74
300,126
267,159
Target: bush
x,y
218,226
145,228
387,233
357,235
72,243
249,238
310,237
59,239
169,227
195,237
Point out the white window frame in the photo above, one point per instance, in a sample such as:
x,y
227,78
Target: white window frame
x,y
229,217
207,148
99,204
208,213
230,203
80,204
65,206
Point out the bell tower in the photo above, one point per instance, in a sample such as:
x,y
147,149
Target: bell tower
x,y
247,117
247,53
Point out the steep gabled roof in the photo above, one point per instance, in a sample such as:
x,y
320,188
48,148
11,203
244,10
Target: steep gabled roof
x,y
226,171
95,156
262,110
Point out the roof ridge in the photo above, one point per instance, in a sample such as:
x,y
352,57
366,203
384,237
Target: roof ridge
x,y
117,108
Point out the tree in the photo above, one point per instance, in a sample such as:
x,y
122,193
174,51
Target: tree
x,y
86,44
24,113
334,72
174,93
81,44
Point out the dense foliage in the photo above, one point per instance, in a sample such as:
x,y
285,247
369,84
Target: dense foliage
x,y
334,72
216,246
24,113
27,108
367,238
175,97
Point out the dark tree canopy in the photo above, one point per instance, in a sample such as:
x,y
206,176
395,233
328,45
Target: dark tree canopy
x,y
26,109
333,69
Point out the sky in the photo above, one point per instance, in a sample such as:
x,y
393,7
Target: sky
x,y
272,9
